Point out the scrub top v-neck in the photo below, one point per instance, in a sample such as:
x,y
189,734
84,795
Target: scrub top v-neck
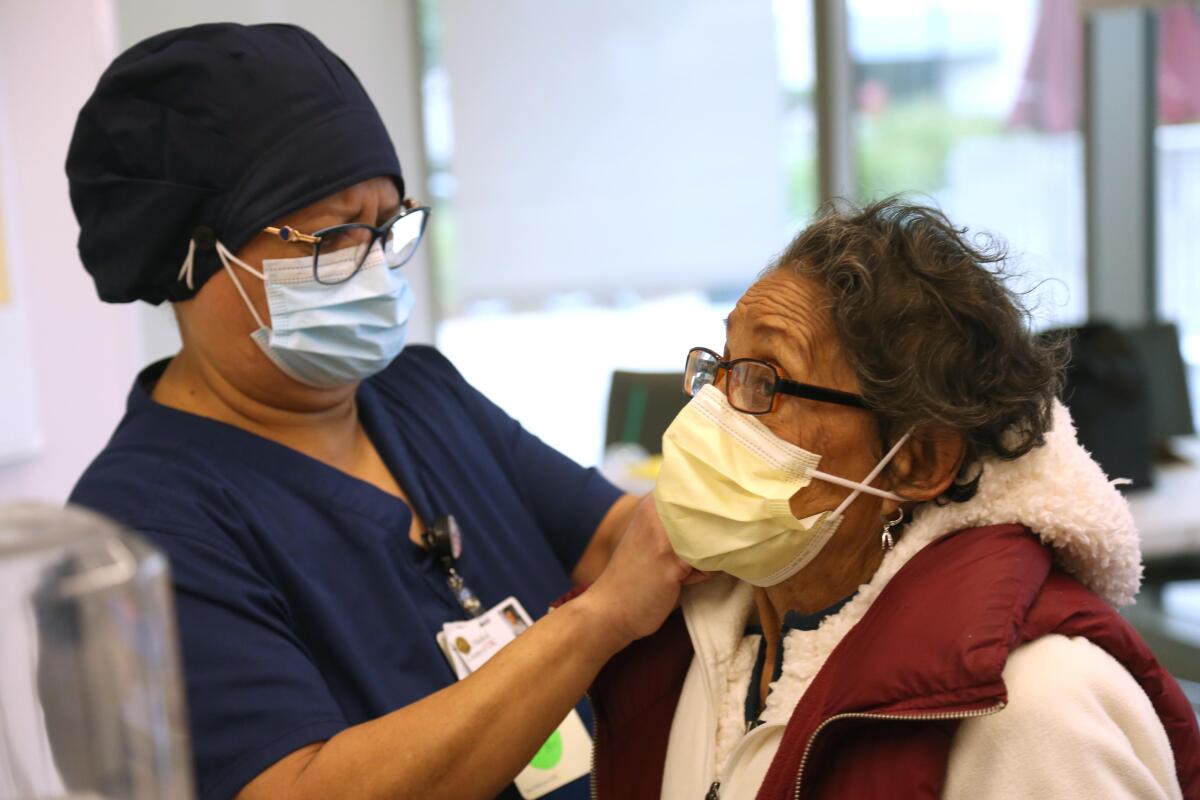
x,y
303,605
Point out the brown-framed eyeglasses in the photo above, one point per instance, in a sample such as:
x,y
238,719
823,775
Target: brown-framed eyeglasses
x,y
753,386
400,236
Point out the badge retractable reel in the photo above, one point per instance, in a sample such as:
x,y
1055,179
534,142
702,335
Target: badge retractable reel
x,y
443,540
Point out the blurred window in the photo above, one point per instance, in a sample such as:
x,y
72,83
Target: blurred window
x,y
978,105
675,152
1177,152
606,183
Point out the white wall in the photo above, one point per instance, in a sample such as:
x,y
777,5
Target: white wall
x,y
84,352
613,146
619,176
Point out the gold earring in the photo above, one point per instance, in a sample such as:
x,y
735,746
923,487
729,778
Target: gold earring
x,y
886,541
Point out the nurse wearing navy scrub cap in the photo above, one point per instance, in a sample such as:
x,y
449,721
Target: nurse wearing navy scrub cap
x,y
300,465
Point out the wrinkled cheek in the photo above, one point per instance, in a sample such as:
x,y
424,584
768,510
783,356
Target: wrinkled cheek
x,y
809,499
818,496
796,503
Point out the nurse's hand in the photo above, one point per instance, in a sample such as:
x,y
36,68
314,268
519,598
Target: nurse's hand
x,y
641,584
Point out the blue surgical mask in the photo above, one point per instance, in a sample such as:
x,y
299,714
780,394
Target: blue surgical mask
x,y
326,335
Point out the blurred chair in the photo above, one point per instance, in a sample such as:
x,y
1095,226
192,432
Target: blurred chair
x,y
1106,391
1157,347
640,407
1164,514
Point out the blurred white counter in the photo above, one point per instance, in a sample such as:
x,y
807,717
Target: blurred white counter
x,y
1168,514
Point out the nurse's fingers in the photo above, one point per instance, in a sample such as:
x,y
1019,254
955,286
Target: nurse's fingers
x,y
640,586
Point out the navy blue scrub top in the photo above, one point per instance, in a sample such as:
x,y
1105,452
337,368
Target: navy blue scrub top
x,y
303,606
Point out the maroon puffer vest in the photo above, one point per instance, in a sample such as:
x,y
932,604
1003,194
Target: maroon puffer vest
x,y
880,716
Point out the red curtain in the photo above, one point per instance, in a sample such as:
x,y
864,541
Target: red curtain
x,y
1051,94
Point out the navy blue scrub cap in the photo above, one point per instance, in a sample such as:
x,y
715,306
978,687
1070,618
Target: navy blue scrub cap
x,y
209,133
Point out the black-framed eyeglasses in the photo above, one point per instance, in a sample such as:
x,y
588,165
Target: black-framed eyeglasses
x,y
753,386
400,236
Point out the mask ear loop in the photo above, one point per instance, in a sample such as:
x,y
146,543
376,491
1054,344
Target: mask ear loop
x,y
186,271
226,256
864,485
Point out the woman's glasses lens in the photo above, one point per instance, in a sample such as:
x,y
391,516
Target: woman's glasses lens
x,y
700,371
750,386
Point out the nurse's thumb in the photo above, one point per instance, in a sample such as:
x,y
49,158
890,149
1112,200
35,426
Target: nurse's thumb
x,y
697,576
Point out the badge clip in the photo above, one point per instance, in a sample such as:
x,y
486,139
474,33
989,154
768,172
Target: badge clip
x,y
443,540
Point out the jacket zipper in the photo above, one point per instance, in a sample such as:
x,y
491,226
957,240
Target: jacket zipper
x,y
593,792
714,790
936,715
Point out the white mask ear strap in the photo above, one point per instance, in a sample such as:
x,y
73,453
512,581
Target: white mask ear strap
x,y
226,256
865,485
185,272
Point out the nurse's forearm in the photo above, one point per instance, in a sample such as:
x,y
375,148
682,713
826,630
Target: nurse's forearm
x,y
605,540
470,739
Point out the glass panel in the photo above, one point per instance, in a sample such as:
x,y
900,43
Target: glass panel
x,y
607,179
977,105
1181,602
1177,151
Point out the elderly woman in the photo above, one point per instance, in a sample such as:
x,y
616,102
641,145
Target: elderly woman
x,y
921,561
328,497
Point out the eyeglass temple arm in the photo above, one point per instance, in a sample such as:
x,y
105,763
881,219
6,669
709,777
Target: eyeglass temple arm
x,y
819,393
289,234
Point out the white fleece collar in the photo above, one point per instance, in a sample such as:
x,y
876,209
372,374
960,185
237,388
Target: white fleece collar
x,y
1057,490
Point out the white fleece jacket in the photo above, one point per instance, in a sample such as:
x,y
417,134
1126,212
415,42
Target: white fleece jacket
x,y
1076,724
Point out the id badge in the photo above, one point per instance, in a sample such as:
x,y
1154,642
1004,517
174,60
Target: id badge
x,y
467,645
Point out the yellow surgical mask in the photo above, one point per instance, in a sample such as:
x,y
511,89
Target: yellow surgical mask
x,y
724,488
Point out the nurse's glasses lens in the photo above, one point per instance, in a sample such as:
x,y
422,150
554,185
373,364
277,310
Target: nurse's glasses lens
x,y
341,252
343,249
401,240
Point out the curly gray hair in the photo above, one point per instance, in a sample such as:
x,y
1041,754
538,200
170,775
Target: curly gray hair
x,y
936,338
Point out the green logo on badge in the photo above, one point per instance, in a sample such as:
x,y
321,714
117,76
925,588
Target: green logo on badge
x,y
550,753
